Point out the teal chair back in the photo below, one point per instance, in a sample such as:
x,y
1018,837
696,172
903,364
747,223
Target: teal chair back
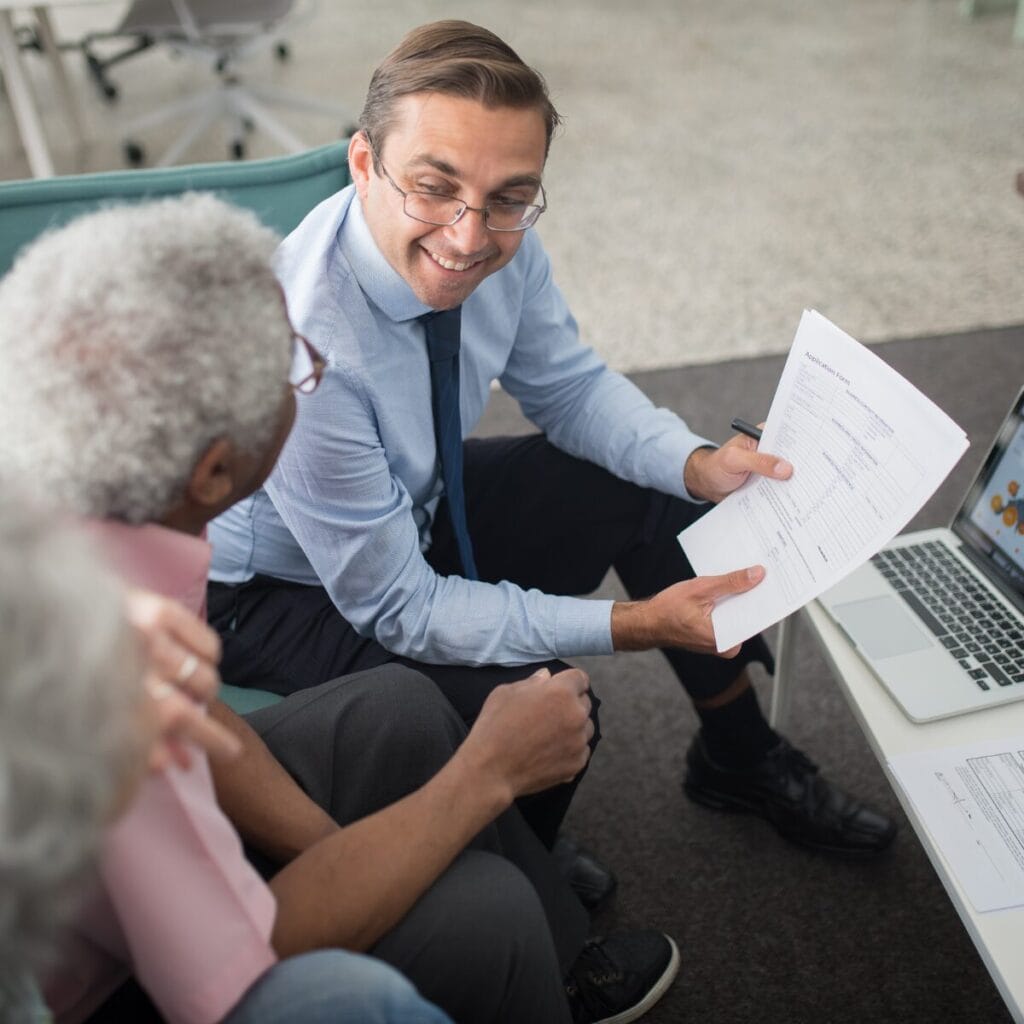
x,y
281,191
243,699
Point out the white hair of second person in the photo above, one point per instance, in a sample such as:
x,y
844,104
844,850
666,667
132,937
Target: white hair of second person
x,y
130,340
71,728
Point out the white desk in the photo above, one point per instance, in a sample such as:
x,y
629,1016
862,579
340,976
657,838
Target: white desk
x,y
998,935
19,90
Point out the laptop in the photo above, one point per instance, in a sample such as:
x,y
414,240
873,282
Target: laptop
x,y
938,615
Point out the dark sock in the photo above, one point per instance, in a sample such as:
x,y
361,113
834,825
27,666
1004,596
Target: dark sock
x,y
737,735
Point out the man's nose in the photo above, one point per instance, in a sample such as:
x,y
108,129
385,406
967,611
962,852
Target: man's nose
x,y
469,233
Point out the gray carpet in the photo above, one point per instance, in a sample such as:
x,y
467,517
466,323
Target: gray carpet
x,y
769,932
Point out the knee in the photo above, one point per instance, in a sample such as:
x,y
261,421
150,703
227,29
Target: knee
x,y
406,701
337,986
401,689
478,944
418,715
498,926
402,716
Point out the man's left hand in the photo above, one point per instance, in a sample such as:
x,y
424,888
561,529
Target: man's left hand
x,y
712,473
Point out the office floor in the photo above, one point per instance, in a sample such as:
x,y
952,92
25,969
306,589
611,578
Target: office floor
x,y
722,165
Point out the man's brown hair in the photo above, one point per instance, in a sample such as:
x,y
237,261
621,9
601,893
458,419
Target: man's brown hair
x,y
456,58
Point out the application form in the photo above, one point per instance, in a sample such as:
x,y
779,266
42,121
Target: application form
x,y
971,799
867,449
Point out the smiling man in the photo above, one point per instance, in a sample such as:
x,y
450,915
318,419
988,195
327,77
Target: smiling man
x,y
444,267
381,535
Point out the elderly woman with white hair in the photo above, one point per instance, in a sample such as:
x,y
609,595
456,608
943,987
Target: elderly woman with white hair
x,y
78,728
148,380
72,732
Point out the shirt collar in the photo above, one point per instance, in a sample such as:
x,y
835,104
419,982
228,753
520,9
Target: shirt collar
x,y
169,562
380,282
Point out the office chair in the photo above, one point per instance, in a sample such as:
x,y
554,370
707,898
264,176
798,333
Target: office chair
x,y
280,190
219,34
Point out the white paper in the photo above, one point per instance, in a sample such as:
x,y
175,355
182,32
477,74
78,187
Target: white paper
x,y
868,450
971,800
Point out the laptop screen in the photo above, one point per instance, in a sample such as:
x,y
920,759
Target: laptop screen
x,y
990,521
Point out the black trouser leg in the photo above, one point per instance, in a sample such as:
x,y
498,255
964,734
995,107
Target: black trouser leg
x,y
475,944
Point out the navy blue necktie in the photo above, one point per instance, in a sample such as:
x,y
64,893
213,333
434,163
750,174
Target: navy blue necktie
x,y
443,353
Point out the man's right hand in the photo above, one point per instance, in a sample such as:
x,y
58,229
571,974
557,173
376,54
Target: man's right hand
x,y
533,734
680,615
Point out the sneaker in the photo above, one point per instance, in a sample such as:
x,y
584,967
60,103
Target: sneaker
x,y
785,788
618,979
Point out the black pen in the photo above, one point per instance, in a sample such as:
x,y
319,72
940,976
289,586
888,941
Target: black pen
x,y
746,428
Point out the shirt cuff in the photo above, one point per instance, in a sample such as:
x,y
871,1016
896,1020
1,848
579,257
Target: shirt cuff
x,y
668,462
583,626
685,493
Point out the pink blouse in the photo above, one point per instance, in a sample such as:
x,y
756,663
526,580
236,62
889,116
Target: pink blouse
x,y
177,903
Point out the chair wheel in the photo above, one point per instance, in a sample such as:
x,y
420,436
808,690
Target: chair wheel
x,y
134,154
282,52
109,91
237,149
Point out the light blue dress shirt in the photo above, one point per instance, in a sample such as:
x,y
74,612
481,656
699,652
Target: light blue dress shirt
x,y
351,500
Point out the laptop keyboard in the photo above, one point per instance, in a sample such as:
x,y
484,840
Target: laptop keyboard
x,y
970,623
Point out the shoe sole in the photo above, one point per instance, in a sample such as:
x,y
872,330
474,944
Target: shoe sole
x,y
719,801
654,993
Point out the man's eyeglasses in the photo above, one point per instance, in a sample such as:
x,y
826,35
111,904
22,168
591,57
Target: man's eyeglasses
x,y
307,365
444,211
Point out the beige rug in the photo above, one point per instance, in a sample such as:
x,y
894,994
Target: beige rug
x,y
722,166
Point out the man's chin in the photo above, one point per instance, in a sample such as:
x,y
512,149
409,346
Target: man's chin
x,y
443,289
445,295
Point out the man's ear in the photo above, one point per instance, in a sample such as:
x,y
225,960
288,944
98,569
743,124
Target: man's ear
x,y
360,162
213,478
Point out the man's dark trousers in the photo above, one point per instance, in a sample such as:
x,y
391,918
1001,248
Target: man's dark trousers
x,y
538,518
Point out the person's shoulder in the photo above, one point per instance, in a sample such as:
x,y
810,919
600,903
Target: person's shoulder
x,y
531,252
320,288
307,249
517,278
528,274
321,223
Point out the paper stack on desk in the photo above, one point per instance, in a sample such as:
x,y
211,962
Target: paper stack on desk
x,y
868,450
970,799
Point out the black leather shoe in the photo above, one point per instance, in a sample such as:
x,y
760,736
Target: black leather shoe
x,y
785,788
592,882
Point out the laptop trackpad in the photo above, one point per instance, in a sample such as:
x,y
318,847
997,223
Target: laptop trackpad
x,y
882,627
